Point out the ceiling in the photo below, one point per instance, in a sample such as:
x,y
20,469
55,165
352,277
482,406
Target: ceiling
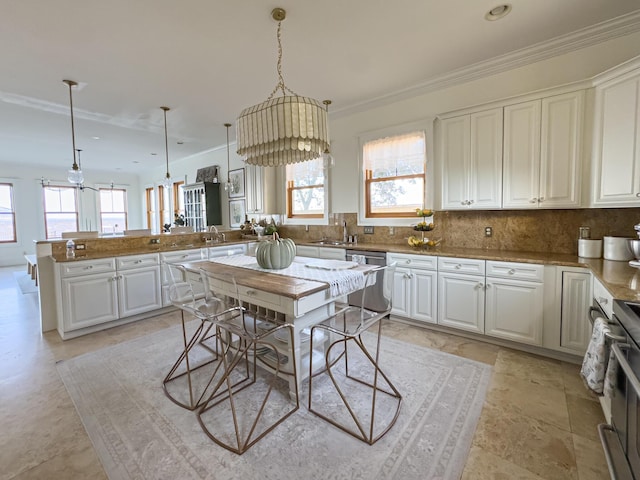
x,y
209,59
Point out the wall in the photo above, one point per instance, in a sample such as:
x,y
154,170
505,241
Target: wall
x,y
30,212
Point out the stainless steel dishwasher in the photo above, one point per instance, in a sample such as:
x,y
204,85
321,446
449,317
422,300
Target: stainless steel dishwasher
x,y
375,299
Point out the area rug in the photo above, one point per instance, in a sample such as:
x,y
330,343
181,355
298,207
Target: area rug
x,y
139,433
25,282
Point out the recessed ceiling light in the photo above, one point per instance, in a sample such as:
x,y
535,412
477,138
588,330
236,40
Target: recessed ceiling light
x,y
96,138
153,154
180,142
136,161
498,12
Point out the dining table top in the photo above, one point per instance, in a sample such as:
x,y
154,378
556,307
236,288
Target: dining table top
x,y
284,285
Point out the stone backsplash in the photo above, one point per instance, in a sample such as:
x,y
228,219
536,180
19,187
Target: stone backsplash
x,y
518,230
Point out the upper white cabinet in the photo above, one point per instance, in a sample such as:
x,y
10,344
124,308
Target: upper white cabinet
x,y
471,147
616,165
542,146
260,189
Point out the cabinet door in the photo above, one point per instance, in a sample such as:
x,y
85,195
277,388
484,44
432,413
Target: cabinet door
x,y
254,188
485,168
333,253
455,162
89,300
521,155
461,301
139,291
617,149
560,172
514,310
424,295
576,299
400,303
307,251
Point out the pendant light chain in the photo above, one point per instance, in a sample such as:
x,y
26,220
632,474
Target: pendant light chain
x,y
73,128
280,85
166,140
228,185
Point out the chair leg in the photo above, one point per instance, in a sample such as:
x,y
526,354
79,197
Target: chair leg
x,y
172,376
364,422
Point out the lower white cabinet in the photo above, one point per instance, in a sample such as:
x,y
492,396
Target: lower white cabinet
x,y
575,330
415,287
321,252
461,301
192,255
93,292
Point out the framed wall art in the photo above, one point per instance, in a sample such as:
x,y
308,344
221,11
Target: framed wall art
x,y
237,213
236,177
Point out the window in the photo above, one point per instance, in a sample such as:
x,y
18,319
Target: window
x,y
113,210
60,210
7,214
150,199
164,202
305,189
394,175
178,204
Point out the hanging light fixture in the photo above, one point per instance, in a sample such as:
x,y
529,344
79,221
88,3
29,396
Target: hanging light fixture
x,y
167,177
327,158
228,185
74,175
282,130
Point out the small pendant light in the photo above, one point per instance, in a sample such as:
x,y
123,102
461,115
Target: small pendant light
x,y
167,178
228,186
74,175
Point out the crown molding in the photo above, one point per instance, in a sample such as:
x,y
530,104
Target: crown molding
x,y
585,37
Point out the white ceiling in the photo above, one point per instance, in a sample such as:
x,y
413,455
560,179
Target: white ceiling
x,y
209,59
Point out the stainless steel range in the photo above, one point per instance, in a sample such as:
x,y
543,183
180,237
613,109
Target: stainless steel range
x,y
621,438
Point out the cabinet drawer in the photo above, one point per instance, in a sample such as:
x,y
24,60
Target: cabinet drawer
x,y
307,251
520,271
215,252
461,265
413,261
192,255
603,297
258,297
137,261
85,267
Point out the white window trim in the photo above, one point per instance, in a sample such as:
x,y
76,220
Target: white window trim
x,y
426,126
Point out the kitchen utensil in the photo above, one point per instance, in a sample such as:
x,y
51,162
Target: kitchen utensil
x,y
617,248
588,248
634,246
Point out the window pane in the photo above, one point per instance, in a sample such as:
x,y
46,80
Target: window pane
x,y
68,199
7,232
7,214
308,201
395,156
305,174
60,222
6,202
395,196
113,222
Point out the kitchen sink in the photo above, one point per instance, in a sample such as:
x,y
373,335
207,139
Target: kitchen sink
x,y
329,242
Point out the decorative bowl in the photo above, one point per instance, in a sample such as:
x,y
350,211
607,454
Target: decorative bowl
x,y
634,246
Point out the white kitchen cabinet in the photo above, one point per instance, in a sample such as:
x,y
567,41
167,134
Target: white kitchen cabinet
x,y
471,147
260,189
87,300
181,256
541,159
226,250
461,293
321,252
616,165
514,301
575,330
415,287
139,284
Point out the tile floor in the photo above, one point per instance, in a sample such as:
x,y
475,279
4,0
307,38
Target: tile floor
x,y
538,420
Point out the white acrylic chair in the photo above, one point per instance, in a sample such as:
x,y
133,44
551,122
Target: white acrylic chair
x,y
350,390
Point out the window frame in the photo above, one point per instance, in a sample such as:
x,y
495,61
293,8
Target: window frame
x,y
306,219
12,212
427,127
46,213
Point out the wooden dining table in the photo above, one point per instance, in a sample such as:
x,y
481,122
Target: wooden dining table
x,y
285,298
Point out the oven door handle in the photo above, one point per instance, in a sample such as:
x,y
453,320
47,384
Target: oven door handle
x,y
626,367
594,312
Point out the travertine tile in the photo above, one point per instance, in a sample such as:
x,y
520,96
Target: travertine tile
x,y
544,372
590,459
483,465
534,445
574,384
585,415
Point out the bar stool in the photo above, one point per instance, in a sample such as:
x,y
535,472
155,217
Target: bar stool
x,y
361,401
207,309
249,395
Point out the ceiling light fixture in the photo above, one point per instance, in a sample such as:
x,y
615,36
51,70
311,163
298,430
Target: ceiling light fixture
x,y
228,185
167,178
282,130
498,12
74,175
328,159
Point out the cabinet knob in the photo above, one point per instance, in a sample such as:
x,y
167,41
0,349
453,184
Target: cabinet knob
x,y
469,202
637,194
458,267
251,292
533,200
487,286
480,285
88,267
512,272
603,300
464,202
541,199
408,261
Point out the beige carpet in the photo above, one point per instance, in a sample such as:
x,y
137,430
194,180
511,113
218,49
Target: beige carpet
x,y
138,433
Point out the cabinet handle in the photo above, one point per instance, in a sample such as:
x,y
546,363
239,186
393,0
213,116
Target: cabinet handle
x,y
480,285
637,194
469,202
541,199
463,202
603,300
487,286
138,261
458,267
533,200
408,261
88,267
251,292
406,275
512,271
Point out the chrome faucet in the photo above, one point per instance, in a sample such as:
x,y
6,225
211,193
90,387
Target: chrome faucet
x,y
344,232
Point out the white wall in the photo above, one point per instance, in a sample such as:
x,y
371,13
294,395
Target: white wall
x,y
29,205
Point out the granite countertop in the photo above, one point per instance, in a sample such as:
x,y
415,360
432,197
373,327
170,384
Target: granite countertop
x,y
622,280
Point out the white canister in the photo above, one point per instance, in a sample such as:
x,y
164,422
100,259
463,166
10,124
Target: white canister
x,y
617,248
588,248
